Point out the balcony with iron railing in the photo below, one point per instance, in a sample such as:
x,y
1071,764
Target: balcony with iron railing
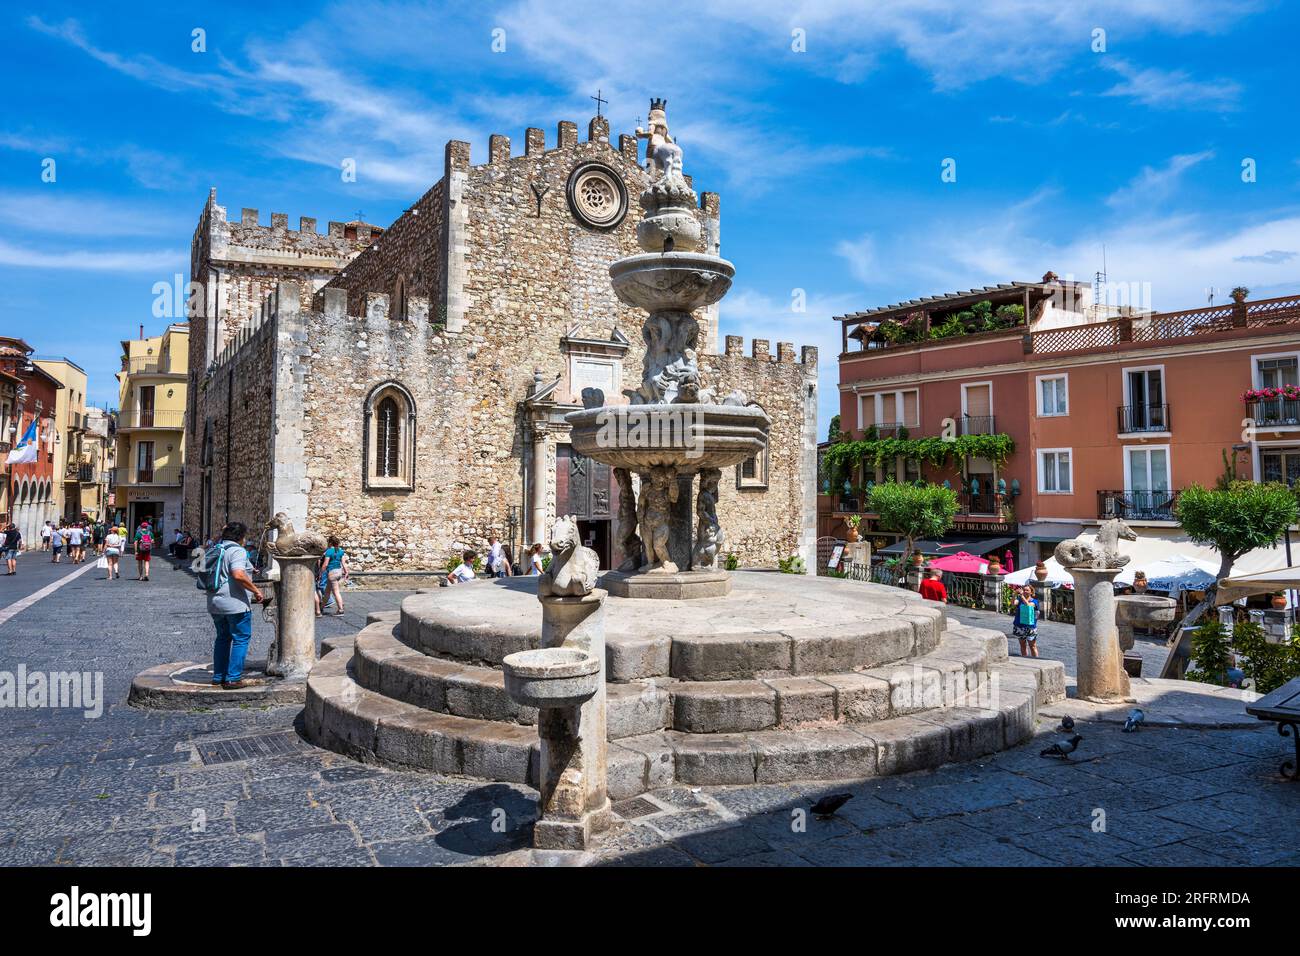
x,y
1136,419
165,475
1275,411
1137,505
982,503
978,425
157,419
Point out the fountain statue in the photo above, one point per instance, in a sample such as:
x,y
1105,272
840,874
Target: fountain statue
x,y
674,427
1093,565
564,679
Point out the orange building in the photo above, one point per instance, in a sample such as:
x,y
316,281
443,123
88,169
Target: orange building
x,y
1111,411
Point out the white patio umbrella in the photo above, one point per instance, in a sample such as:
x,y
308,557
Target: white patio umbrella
x,y
1175,573
1055,574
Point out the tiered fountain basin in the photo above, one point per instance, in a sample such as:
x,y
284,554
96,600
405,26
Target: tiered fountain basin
x,y
789,677
683,281
689,436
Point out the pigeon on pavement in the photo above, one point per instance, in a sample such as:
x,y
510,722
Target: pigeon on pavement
x,y
827,805
1135,718
1067,724
1063,748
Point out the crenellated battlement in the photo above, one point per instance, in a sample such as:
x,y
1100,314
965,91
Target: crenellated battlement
x,y
761,350
249,230
459,154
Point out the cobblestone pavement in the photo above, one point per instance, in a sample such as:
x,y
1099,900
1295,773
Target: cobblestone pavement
x,y
149,788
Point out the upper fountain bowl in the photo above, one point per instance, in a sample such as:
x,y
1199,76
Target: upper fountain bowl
x,y
680,281
688,436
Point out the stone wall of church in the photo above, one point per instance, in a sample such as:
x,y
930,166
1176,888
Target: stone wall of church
x,y
236,396
763,525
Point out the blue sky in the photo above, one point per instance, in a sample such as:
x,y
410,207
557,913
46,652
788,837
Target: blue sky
x,y
828,159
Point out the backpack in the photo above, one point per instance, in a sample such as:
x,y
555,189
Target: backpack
x,y
145,542
211,572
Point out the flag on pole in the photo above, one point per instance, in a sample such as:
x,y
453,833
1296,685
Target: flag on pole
x,y
25,451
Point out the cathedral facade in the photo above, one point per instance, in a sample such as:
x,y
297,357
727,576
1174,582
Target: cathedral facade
x,y
405,388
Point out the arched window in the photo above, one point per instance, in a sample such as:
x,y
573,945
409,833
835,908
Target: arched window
x,y
388,450
389,435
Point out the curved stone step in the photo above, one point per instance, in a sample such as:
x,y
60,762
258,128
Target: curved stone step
x,y
343,716
936,679
387,666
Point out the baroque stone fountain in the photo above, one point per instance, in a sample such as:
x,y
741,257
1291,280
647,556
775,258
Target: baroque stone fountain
x,y
675,427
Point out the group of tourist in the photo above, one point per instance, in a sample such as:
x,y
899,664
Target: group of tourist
x,y
1025,609
499,563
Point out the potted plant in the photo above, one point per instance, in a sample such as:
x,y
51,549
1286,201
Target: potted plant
x,y
1279,600
995,565
1040,571
1140,581
852,534
1239,293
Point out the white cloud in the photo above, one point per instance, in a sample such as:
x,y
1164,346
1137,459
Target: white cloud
x,y
1154,184
161,261
55,212
1171,89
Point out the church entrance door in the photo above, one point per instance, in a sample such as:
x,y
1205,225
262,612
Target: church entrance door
x,y
585,489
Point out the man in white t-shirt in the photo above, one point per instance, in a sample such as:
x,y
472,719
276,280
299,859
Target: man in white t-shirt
x,y
46,531
465,570
496,557
75,554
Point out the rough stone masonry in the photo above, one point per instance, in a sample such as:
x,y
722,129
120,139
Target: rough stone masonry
x,y
406,388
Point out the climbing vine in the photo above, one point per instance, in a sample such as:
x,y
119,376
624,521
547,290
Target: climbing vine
x,y
842,456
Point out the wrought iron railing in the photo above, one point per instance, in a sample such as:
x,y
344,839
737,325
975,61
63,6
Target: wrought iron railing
x,y
1143,418
1276,411
978,425
1148,505
983,503
965,590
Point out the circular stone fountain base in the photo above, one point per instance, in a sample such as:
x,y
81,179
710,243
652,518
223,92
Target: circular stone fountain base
x,y
185,685
681,586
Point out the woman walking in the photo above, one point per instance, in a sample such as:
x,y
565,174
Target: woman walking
x,y
334,568
143,550
113,543
535,564
1024,617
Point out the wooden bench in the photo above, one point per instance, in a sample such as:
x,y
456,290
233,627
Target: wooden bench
x,y
1282,706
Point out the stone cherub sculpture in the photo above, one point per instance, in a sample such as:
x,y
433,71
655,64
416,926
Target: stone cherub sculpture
x,y
663,156
628,539
289,543
573,568
708,533
1102,553
658,495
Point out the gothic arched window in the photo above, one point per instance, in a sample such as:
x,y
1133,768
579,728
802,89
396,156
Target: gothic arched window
x,y
389,438
387,457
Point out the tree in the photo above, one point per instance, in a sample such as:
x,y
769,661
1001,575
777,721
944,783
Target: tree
x,y
914,511
1237,519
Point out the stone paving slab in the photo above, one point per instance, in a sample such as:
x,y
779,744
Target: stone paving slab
x,y
1166,703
